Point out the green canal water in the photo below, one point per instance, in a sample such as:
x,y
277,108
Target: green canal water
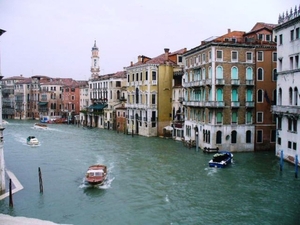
x,y
151,181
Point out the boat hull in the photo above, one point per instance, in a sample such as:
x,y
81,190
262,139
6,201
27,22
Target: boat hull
x,y
221,160
96,175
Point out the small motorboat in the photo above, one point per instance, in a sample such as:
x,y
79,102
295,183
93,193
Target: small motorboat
x,y
40,126
96,175
32,140
221,159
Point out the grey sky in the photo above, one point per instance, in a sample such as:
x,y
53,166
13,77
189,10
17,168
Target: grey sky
x,y
54,37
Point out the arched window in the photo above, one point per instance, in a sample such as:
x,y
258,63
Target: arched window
x,y
203,73
209,72
219,72
280,96
249,73
219,95
219,118
295,96
260,96
233,136
136,95
234,95
248,136
209,95
290,96
219,137
249,95
234,73
260,74
208,137
274,96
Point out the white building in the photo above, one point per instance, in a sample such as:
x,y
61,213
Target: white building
x,y
287,110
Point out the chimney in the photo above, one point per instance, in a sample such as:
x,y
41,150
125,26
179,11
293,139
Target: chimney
x,y
131,63
139,58
228,30
166,54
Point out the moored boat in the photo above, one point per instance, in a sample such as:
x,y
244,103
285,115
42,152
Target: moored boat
x,y
40,126
32,140
96,175
221,159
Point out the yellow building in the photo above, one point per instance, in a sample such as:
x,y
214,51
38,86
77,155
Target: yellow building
x,y
149,91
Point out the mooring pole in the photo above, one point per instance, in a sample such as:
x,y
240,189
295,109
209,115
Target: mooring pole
x,y
296,166
11,204
41,181
281,160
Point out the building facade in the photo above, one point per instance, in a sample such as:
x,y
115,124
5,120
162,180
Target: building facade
x,y
287,110
220,84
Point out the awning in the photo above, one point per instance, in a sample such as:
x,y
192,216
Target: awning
x,y
42,103
98,106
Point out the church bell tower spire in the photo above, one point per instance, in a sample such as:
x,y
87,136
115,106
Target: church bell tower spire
x,y
95,67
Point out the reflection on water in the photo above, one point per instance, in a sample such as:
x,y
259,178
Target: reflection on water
x,y
150,180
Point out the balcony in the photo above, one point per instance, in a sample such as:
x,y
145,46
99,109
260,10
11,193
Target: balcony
x,y
215,104
154,82
249,104
235,82
235,104
220,81
250,82
286,110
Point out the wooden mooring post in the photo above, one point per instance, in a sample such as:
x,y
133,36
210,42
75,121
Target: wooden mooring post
x,y
281,160
11,204
41,181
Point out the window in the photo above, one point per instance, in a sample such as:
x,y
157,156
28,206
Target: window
x,y
153,99
234,56
279,141
203,58
153,75
274,57
249,117
260,56
294,146
268,37
219,55
234,118
274,75
259,136
249,56
280,39
292,35
260,74
279,123
180,59
249,73
233,137
219,137
209,56
248,136
291,62
146,78
297,33
259,96
219,118
260,37
259,117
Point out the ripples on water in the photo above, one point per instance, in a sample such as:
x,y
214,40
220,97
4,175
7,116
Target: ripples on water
x,y
150,181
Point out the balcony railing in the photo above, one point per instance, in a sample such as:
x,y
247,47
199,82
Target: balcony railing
x,y
250,82
235,82
235,104
249,104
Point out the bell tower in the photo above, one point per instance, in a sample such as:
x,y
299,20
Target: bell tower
x,y
95,68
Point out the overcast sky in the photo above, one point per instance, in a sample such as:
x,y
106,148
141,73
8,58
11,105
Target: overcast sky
x,y
54,37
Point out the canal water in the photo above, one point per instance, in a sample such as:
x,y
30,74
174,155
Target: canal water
x,y
151,181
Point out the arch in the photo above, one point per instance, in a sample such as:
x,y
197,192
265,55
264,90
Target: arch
x,y
219,137
234,73
233,137
290,96
260,74
249,73
296,96
219,74
260,95
219,95
248,136
279,96
249,95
